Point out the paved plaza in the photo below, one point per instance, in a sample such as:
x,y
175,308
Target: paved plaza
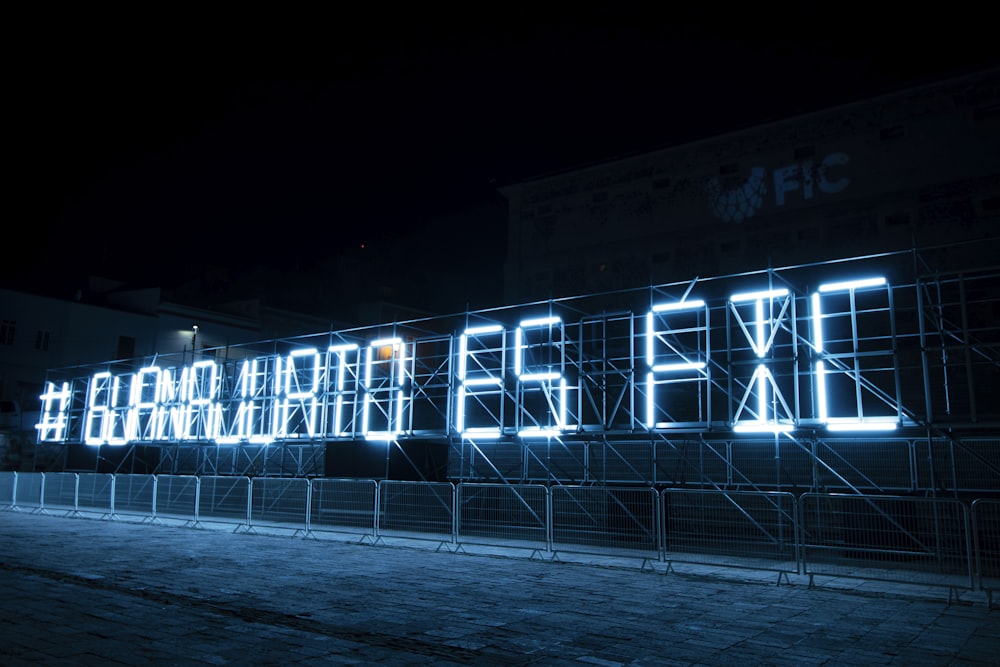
x,y
82,591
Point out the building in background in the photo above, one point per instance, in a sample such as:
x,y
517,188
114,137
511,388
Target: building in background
x,y
917,168
112,323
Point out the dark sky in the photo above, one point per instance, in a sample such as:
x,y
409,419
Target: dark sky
x,y
148,145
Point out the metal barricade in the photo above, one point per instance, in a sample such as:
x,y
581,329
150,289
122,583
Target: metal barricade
x,y
986,529
176,497
744,529
28,491
279,502
95,493
7,481
605,520
343,506
225,500
888,538
59,491
135,495
421,510
503,515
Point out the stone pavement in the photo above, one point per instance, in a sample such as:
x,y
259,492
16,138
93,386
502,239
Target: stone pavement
x,y
97,592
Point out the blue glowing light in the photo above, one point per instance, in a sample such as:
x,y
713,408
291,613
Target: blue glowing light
x,y
488,384
855,422
392,384
53,427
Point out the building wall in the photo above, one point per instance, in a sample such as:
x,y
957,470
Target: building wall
x,y
919,167
40,333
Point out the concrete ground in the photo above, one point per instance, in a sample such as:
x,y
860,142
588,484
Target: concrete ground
x,y
81,591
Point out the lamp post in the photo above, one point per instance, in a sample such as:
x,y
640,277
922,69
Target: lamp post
x,y
194,341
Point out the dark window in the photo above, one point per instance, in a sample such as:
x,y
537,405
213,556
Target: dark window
x,y
802,152
660,257
809,234
897,219
41,340
7,332
894,132
991,206
126,347
987,111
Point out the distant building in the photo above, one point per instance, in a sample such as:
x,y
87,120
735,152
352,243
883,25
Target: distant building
x,y
111,322
919,167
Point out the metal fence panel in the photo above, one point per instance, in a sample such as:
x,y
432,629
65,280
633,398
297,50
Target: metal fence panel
x,y
503,514
343,505
224,499
28,490
134,494
891,538
416,509
986,528
59,490
621,462
604,520
972,464
872,465
279,501
177,496
7,489
553,454
678,461
95,492
493,460
749,529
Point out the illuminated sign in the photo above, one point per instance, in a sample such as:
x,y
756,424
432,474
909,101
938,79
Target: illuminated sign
x,y
773,360
804,178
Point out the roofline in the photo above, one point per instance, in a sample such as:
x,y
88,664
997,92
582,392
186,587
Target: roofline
x,y
903,92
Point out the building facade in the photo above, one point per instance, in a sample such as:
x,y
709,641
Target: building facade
x,y
917,168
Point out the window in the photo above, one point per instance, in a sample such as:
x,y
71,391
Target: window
x,y
42,340
803,152
126,347
7,332
896,219
990,206
893,132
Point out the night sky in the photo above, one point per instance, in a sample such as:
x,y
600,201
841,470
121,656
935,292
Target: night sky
x,y
146,147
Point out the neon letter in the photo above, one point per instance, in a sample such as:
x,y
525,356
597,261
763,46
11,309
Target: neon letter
x,y
481,381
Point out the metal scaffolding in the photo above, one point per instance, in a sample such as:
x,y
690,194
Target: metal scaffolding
x,y
872,374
